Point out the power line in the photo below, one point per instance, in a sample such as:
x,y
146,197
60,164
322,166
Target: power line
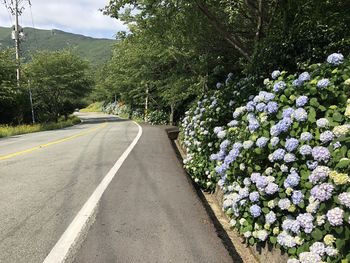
x,y
34,30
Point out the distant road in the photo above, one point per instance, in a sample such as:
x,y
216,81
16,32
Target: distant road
x,y
46,177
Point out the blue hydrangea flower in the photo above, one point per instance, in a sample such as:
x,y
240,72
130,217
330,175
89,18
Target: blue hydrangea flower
x,y
291,144
219,85
270,217
281,85
292,180
272,107
278,154
275,74
288,113
326,136
297,83
247,182
297,197
335,59
224,144
323,83
221,169
237,145
306,136
261,182
254,196
254,177
305,150
320,153
311,164
253,124
319,174
286,240
261,107
268,96
336,145
250,106
301,101
274,141
300,114
255,210
305,76
261,142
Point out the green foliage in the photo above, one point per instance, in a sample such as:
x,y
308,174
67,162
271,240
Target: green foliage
x,y
59,81
7,130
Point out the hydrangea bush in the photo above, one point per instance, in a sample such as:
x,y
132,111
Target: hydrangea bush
x,y
283,163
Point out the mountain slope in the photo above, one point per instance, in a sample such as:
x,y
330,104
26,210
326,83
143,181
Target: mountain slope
x,y
95,50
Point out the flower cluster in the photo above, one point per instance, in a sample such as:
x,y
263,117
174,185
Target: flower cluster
x,y
281,161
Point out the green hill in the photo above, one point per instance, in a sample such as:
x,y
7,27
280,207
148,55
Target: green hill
x,y
95,50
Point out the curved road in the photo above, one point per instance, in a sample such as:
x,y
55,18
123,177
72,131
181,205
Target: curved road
x,y
42,190
149,212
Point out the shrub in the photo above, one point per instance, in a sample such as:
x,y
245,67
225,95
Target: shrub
x,y
283,163
158,117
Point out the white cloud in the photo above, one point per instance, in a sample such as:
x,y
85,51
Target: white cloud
x,y
76,16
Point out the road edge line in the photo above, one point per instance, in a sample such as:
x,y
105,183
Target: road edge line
x,y
62,250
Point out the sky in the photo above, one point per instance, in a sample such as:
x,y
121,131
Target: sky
x,y
74,16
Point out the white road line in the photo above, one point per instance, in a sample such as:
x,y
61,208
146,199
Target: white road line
x,y
63,248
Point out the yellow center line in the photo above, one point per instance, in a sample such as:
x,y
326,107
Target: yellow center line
x,y
7,156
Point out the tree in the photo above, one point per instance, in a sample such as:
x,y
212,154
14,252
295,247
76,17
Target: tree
x,y
59,80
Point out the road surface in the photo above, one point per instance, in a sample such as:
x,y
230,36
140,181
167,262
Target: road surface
x,y
149,212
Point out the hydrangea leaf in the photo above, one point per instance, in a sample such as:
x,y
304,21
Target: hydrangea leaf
x,y
317,234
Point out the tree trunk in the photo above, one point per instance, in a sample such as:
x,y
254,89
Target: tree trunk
x,y
172,111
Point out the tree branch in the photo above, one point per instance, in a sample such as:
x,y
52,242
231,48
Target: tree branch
x,y
220,28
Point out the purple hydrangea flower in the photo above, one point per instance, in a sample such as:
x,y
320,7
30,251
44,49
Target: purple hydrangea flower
x,y
255,210
305,76
254,177
322,192
297,197
261,182
254,196
318,248
271,188
281,85
301,101
335,59
284,203
306,222
300,114
319,174
292,225
306,136
291,144
261,142
335,216
286,240
320,153
336,145
323,83
275,74
272,107
344,199
305,150
326,136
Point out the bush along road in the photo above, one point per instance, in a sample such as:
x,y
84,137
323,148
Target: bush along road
x,y
282,159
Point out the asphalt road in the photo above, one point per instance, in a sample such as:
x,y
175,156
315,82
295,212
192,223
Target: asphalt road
x,y
43,188
149,213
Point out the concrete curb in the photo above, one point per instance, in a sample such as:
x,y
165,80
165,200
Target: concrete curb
x,y
249,254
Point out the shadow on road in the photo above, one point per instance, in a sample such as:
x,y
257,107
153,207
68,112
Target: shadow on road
x,y
102,119
218,227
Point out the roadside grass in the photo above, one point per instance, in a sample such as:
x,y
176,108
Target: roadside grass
x,y
94,107
9,130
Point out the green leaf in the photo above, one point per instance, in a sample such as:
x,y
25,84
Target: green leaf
x,y
343,164
317,234
265,210
337,117
273,240
251,241
292,251
314,102
312,115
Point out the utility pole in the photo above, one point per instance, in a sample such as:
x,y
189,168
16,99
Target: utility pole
x,y
31,102
146,103
17,42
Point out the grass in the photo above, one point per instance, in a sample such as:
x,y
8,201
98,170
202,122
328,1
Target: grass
x,y
94,107
7,130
